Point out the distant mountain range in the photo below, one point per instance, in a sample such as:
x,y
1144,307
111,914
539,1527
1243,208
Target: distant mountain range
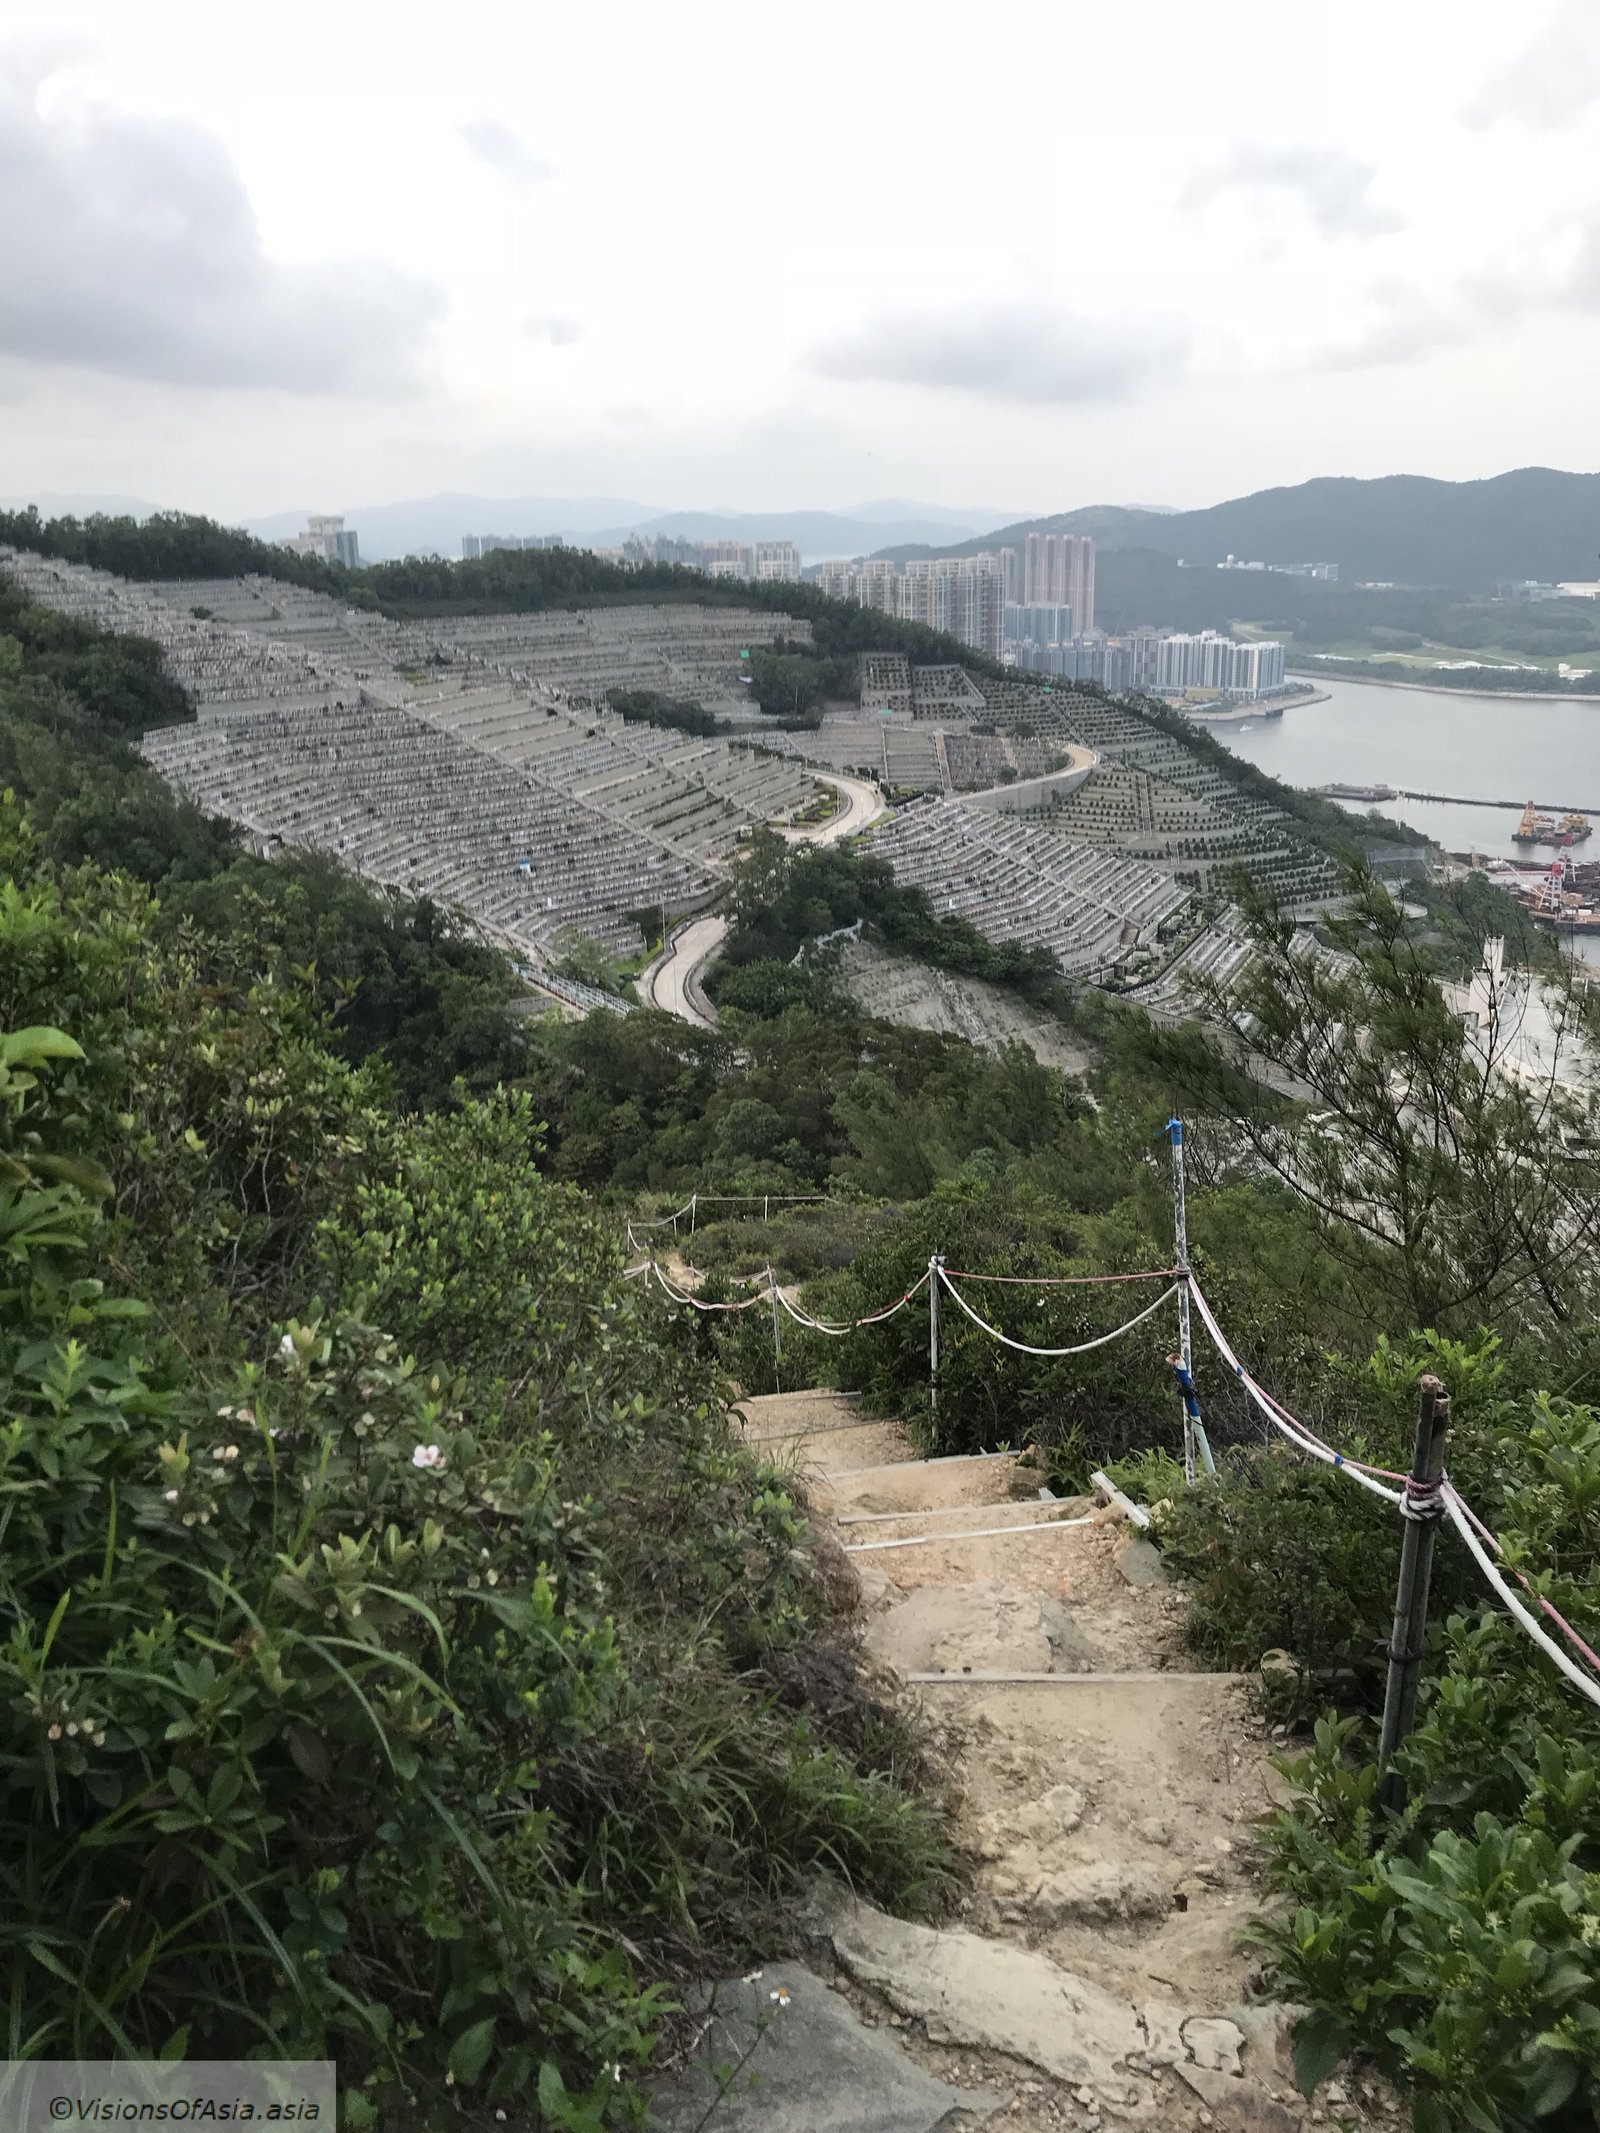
x,y
434,524
1402,528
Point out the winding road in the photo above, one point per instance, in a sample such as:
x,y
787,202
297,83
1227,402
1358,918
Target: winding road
x,y
672,981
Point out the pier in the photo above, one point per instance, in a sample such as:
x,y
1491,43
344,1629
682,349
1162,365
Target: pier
x,y
1456,799
1544,807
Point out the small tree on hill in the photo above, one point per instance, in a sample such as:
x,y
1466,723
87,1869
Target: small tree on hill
x,y
1448,1148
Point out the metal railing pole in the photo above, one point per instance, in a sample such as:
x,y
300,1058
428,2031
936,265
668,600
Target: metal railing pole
x,y
777,1330
934,1264
1195,1442
1421,1508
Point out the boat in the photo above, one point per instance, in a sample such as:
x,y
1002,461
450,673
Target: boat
x,y
1357,792
1534,828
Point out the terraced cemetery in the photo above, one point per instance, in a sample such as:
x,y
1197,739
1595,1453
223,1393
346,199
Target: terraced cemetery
x,y
459,760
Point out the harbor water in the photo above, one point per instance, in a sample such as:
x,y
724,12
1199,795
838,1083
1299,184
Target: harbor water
x,y
1437,740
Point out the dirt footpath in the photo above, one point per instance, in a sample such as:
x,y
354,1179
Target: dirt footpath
x,y
1105,1799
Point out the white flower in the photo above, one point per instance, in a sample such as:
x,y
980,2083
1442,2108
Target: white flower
x,y
427,1455
247,1414
286,1345
753,1977
169,1496
781,1996
55,1733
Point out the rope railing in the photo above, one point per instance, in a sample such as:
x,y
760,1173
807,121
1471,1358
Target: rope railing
x,y
1463,1521
1068,1281
1298,1433
1082,1347
1454,1501
837,1332
1422,1497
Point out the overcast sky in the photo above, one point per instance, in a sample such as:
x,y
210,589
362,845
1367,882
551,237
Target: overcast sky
x,y
1036,256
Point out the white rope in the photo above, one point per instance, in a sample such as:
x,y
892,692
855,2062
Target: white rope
x,y
816,1324
932,1540
1584,1683
748,1199
1301,1443
661,1221
872,1318
682,1296
1082,1348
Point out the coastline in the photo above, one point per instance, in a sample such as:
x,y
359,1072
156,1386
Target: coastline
x,y
1261,707
1448,688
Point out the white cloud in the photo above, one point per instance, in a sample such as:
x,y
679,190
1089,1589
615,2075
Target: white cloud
x,y
1559,272
1009,350
554,327
1332,187
1552,81
505,153
129,245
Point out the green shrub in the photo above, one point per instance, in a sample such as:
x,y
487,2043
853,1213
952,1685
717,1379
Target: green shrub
x,y
1459,1940
1469,1961
410,1675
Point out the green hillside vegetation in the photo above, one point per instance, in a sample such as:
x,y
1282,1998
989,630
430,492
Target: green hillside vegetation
x,y
167,544
1410,630
398,1657
651,707
1535,522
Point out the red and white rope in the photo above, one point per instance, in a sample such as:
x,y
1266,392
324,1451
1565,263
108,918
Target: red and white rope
x,y
1067,1281
1453,1495
1456,1511
1303,1439
1081,1348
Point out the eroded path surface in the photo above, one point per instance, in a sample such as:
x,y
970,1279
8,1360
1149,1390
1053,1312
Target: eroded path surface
x,y
1106,1799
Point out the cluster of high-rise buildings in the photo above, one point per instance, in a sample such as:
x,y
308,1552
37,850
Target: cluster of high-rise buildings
x,y
329,538
1164,662
963,595
476,544
976,597
758,562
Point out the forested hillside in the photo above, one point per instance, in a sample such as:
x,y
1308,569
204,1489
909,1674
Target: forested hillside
x,y
1398,635
1535,522
377,1563
401,1659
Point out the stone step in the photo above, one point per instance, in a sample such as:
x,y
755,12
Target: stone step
x,y
788,2054
994,1996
